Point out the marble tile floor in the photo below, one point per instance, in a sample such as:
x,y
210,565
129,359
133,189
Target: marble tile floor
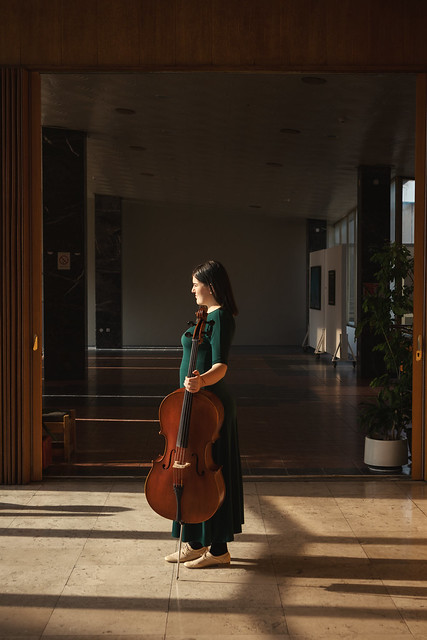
x,y
318,559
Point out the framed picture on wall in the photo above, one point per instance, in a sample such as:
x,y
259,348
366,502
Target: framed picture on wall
x,y
331,286
315,287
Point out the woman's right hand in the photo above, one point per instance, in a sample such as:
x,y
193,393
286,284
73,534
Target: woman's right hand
x,y
193,384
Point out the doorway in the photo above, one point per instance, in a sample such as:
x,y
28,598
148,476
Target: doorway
x,y
249,158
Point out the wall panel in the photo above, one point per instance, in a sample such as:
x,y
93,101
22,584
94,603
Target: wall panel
x,y
118,32
305,32
278,317
303,35
20,281
383,30
10,31
157,32
193,33
345,46
79,40
235,27
41,32
413,19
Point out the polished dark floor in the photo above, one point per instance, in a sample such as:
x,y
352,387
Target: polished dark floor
x,y
297,414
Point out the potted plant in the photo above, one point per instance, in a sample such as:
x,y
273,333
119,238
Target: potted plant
x,y
386,420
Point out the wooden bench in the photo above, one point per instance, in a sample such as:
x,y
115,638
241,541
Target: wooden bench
x,y
61,426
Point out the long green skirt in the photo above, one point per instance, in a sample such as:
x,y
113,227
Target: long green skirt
x,y
229,518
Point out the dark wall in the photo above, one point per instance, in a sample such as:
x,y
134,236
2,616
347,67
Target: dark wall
x,y
373,230
108,271
64,272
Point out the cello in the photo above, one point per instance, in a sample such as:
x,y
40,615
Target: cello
x,y
184,483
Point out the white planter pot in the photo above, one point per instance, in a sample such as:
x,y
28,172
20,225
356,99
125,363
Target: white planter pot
x,y
385,455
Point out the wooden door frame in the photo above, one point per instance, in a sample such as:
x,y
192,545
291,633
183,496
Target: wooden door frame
x,y
36,257
20,318
419,441
419,469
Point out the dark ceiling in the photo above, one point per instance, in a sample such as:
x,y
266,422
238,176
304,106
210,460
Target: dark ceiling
x,y
281,145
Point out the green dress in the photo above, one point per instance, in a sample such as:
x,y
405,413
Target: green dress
x,y
228,519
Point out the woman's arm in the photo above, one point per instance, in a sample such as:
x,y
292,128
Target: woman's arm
x,y
212,376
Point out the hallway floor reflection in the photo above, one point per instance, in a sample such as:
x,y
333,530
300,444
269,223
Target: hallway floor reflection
x,y
297,414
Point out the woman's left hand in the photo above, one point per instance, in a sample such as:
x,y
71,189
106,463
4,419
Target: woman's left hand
x,y
193,384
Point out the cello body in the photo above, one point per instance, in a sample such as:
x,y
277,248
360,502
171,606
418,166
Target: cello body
x,y
201,480
184,483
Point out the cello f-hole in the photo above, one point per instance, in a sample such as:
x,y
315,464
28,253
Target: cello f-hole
x,y
199,473
166,467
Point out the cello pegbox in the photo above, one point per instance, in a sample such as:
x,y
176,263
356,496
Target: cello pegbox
x,y
208,331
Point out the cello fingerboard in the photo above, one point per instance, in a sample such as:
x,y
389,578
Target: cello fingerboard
x,y
184,423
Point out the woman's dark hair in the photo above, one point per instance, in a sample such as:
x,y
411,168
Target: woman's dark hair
x,y
214,275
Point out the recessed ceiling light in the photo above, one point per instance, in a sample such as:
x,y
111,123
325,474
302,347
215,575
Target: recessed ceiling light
x,y
290,131
313,80
274,164
125,112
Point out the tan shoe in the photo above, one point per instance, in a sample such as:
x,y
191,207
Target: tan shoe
x,y
208,560
187,553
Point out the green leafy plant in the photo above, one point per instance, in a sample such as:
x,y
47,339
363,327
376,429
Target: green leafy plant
x,y
384,306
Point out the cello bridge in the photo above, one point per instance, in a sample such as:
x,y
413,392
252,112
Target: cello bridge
x,y
179,465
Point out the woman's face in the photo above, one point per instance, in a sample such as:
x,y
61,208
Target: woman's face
x,y
202,293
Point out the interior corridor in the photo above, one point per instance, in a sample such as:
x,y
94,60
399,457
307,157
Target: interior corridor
x,y
297,414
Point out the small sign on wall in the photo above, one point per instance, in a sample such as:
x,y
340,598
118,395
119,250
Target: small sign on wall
x,y
64,260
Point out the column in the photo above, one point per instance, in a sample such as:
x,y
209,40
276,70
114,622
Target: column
x,y
108,271
373,230
64,242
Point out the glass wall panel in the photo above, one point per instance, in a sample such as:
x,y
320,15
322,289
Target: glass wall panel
x,y
351,270
344,232
408,205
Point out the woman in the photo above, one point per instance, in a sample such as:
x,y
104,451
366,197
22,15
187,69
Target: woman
x,y
205,544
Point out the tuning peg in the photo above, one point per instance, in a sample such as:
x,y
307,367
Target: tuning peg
x,y
209,328
188,334
191,323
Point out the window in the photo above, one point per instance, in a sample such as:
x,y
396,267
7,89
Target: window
x,y
408,206
344,232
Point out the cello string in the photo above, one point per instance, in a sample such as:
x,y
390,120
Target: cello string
x,y
184,426
188,400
